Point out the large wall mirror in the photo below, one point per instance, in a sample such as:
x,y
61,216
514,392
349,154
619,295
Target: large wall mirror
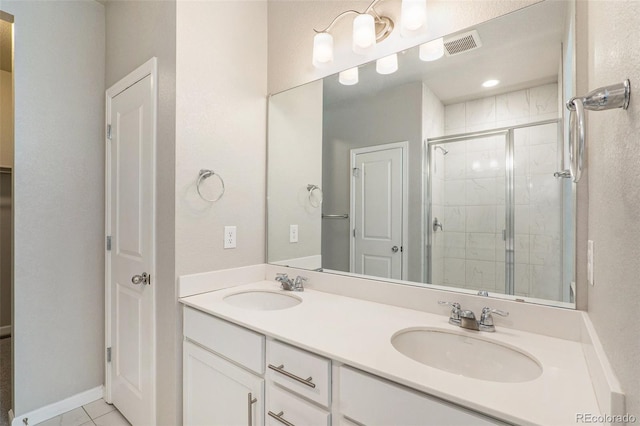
x,y
429,177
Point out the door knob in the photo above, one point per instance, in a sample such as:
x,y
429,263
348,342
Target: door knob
x,y
395,249
144,278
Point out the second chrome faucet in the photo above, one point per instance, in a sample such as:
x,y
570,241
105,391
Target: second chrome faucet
x,y
467,319
291,285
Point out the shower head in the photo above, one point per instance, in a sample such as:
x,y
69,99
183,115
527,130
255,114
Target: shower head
x,y
444,151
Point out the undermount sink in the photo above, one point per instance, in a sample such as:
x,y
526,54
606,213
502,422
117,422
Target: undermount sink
x,y
262,300
467,356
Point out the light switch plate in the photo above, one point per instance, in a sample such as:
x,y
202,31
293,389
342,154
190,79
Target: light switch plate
x,y
293,233
229,237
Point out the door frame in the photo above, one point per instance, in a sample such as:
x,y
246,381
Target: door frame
x,y
149,68
404,145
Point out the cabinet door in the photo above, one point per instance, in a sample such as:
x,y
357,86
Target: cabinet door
x,y
372,401
217,392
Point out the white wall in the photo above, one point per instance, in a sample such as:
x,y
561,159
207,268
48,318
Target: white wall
x,y
614,189
135,32
221,125
295,161
59,200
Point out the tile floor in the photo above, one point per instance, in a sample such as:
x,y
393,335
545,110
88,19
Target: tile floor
x,y
96,413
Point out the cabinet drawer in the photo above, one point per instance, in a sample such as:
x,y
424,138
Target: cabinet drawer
x,y
373,401
291,367
289,409
236,343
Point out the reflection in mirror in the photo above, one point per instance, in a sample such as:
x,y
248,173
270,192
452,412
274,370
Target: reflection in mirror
x,y
427,175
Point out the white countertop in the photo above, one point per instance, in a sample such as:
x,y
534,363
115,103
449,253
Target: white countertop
x,y
358,333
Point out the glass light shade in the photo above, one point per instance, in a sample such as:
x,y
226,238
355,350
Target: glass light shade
x,y
364,34
322,49
387,65
432,50
349,77
413,16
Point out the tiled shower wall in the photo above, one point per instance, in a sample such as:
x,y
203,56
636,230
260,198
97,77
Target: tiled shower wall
x,y
468,196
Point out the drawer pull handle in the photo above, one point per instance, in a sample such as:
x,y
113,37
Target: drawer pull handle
x,y
250,401
280,369
279,418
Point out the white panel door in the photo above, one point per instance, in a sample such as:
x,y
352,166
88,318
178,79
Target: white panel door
x,y
378,212
219,393
130,222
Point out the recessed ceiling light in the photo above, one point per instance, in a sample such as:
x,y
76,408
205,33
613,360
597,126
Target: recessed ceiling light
x,y
490,83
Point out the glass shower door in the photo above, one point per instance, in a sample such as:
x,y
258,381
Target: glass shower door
x,y
466,212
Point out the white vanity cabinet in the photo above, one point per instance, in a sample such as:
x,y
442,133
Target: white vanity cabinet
x,y
368,400
217,392
299,389
235,376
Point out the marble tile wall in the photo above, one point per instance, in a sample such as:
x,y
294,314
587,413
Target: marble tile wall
x,y
471,196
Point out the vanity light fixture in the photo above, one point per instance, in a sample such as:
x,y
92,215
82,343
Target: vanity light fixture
x,y
370,28
491,83
432,51
387,65
413,16
349,77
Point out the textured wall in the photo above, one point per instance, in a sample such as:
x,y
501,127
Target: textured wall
x,y
614,190
221,125
59,200
137,31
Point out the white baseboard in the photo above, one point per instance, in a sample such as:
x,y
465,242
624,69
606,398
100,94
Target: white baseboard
x,y
5,330
52,410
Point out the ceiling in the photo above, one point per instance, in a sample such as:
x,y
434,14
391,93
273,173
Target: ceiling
x,y
521,49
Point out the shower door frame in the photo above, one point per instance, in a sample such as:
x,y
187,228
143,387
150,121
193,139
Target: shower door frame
x,y
508,133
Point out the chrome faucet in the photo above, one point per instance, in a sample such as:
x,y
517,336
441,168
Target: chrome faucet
x,y
467,319
291,285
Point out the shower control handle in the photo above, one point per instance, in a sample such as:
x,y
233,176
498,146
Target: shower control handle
x,y
437,224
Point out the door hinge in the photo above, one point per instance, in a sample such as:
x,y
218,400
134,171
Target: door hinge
x,y
108,354
109,131
355,172
108,242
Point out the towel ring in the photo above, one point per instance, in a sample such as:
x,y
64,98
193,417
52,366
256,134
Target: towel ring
x,y
205,174
576,147
311,188
600,99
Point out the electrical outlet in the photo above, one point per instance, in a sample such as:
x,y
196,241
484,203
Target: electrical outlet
x,y
293,233
590,262
229,237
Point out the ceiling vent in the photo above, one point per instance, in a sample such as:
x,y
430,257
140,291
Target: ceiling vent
x,y
460,43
